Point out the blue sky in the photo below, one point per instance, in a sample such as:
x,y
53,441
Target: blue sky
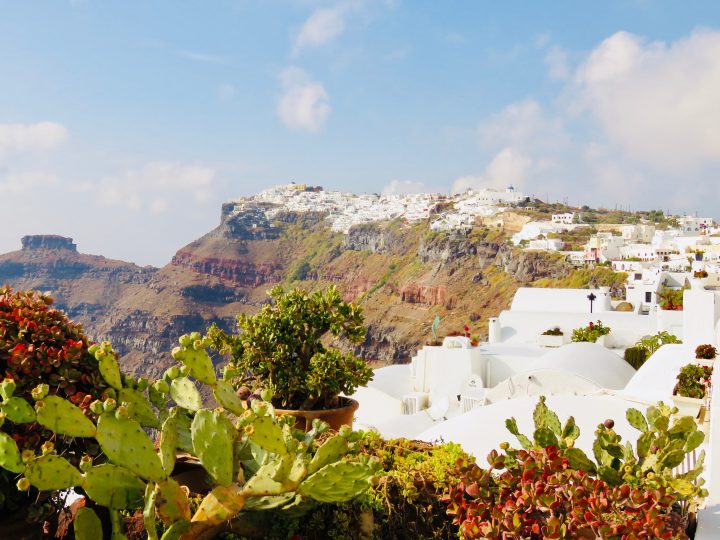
x,y
126,124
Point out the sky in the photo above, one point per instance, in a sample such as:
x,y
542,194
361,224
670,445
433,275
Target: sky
x,y
125,125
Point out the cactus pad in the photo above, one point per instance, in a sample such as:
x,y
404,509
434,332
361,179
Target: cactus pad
x,y
172,502
125,443
511,425
268,435
225,396
109,369
636,419
221,504
197,361
18,410
52,473
263,482
168,443
10,454
545,437
64,418
185,394
87,525
329,452
149,512
114,487
176,530
213,436
579,460
694,440
140,408
338,482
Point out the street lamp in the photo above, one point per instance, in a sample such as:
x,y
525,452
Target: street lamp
x,y
592,298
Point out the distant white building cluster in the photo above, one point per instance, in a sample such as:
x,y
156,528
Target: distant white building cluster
x,y
347,209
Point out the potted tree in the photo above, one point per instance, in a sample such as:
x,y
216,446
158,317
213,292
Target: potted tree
x,y
552,337
286,349
40,345
690,391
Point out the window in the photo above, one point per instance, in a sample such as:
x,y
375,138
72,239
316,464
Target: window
x,y
638,276
648,296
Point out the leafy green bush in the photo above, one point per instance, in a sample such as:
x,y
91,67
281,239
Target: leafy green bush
x,y
282,348
591,332
654,342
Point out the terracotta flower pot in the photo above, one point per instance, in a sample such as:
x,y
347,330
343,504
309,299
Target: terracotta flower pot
x,y
342,416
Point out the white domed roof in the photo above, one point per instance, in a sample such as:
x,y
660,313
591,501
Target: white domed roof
x,y
656,378
589,361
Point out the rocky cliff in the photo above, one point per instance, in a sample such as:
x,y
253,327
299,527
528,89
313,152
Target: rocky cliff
x,y
402,275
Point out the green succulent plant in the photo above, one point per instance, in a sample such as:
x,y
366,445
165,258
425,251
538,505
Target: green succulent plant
x,y
283,348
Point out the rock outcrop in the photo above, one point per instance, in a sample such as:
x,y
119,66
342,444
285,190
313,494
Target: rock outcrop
x,y
527,266
47,241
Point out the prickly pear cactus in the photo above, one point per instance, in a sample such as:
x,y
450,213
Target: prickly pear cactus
x,y
329,452
185,394
268,435
545,437
221,504
192,354
225,395
114,487
107,364
140,408
172,502
213,436
87,525
125,443
545,418
52,473
337,482
18,411
168,443
63,418
10,454
149,512
636,419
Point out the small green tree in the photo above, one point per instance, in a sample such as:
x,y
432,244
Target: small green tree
x,y
653,343
283,348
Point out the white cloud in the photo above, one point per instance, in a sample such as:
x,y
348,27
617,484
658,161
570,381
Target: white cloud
x,y
158,182
25,137
322,27
203,57
22,182
656,102
521,123
556,61
227,91
305,104
403,187
508,167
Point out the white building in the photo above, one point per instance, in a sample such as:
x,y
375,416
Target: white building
x,y
566,218
691,224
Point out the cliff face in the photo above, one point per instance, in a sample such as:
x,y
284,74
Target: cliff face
x,y
402,275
